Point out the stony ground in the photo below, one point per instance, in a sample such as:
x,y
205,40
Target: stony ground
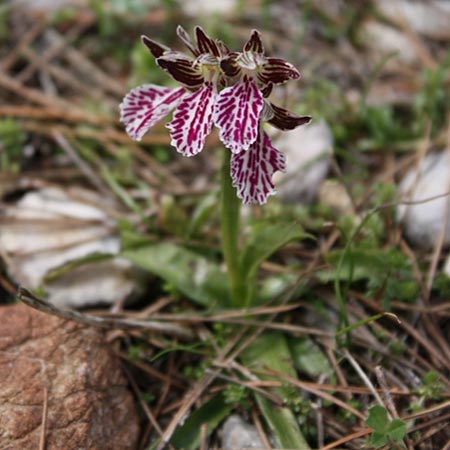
x,y
348,343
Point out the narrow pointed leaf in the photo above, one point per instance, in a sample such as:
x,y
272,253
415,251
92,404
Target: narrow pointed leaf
x,y
237,113
263,243
309,358
270,350
266,241
196,277
252,170
192,121
146,105
211,413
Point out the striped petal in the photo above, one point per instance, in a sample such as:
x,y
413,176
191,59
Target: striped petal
x,y
277,71
205,43
192,120
254,44
252,170
187,41
181,68
237,112
146,105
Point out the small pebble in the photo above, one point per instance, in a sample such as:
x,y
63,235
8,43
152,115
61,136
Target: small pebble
x,y
236,433
423,222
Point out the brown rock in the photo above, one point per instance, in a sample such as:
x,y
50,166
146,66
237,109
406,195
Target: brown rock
x,y
89,405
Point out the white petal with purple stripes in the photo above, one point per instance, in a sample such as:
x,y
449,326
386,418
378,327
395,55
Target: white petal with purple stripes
x,y
237,112
192,120
146,105
252,170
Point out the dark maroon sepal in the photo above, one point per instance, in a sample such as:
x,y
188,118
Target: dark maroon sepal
x,y
286,120
254,44
156,49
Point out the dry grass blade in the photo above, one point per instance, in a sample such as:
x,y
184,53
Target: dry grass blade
x,y
316,391
171,329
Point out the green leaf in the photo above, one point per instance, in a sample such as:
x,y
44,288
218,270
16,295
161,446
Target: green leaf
x,y
262,244
212,413
201,214
283,424
270,350
378,439
355,264
193,275
397,430
377,418
309,358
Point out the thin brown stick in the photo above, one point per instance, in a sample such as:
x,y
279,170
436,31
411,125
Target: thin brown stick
x,y
260,430
194,393
34,95
49,113
107,134
12,57
203,436
318,392
172,329
84,168
269,395
347,438
87,67
151,371
53,49
189,399
143,404
44,420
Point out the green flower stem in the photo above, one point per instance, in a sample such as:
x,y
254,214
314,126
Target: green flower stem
x,y
229,215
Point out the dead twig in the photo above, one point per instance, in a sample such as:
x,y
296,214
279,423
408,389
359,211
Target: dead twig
x,y
31,300
44,421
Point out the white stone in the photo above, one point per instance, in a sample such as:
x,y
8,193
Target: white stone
x,y
430,18
384,39
424,221
48,5
201,7
334,194
50,228
238,434
308,150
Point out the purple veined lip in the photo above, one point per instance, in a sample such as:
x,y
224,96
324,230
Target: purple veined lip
x,y
252,170
237,114
146,105
193,120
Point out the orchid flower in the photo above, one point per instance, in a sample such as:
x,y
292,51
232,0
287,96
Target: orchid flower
x,y
221,88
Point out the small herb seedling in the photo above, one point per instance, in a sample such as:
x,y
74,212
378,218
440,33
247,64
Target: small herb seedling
x,y
384,430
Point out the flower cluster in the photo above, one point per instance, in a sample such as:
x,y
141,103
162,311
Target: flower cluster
x,y
218,87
